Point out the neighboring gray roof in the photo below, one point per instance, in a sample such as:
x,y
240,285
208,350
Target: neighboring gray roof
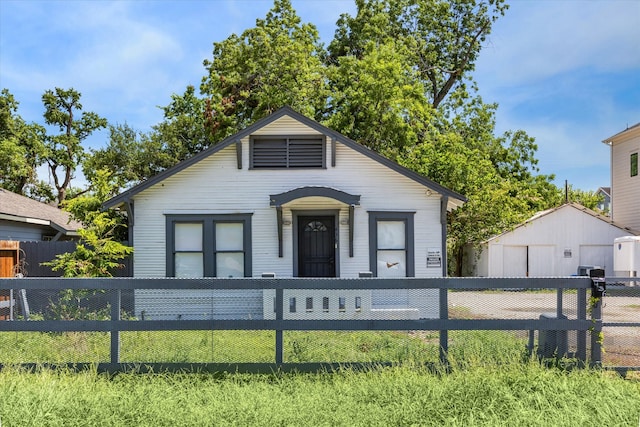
x,y
14,207
456,199
573,205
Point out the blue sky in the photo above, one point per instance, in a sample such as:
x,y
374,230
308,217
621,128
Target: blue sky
x,y
566,71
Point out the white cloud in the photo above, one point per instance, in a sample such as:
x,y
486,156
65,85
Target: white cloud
x,y
120,61
117,49
537,40
568,73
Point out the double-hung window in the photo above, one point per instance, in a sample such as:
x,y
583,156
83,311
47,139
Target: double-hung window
x,y
209,245
391,244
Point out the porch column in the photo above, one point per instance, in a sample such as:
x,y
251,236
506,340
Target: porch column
x,y
280,221
352,209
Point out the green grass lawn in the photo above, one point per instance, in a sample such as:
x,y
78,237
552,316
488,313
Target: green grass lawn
x,y
217,347
258,347
514,394
491,382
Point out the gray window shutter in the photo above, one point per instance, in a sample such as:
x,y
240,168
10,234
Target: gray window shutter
x,y
273,153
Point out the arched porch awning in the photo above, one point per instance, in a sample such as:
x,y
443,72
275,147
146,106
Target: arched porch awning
x,y
278,200
299,193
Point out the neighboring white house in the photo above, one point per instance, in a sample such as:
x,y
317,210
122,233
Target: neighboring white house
x,y
291,197
605,205
554,242
625,176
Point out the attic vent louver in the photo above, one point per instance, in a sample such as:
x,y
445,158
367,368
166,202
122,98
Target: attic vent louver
x,y
287,152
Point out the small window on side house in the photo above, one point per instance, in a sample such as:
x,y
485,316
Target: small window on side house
x,y
634,164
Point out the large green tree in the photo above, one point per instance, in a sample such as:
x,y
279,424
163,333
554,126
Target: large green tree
x,y
64,151
21,148
129,155
100,251
133,156
497,174
377,99
276,63
443,38
443,129
184,131
397,78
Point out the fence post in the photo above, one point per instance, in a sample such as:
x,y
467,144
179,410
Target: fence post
x,y
598,289
444,333
559,308
581,353
115,332
279,316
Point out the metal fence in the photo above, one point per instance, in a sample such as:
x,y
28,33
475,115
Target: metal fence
x,y
266,324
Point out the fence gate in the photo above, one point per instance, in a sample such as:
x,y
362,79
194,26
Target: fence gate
x,y
8,259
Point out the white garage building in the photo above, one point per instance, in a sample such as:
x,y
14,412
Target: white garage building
x,y
554,242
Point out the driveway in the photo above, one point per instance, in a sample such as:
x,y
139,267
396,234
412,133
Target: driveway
x,y
621,344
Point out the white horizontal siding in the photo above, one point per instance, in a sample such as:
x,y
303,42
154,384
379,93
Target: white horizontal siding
x,y
547,238
14,231
216,185
286,126
625,189
190,304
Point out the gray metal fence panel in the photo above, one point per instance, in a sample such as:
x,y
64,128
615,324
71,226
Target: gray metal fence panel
x,y
265,304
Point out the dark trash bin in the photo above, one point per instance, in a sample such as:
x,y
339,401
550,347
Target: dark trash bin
x,y
552,343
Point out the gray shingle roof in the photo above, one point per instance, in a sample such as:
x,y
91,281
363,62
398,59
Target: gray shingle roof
x,y
23,209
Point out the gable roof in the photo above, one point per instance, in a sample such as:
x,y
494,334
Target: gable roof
x,y
573,205
605,190
629,132
14,207
455,200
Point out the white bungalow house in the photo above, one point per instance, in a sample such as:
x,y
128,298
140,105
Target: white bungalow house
x,y
291,198
625,176
554,242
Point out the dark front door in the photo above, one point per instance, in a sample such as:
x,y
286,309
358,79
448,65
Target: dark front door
x,y
316,246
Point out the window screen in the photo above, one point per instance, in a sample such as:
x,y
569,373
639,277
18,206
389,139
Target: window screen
x,y
188,254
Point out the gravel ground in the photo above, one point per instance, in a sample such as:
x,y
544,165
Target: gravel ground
x,y
621,344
